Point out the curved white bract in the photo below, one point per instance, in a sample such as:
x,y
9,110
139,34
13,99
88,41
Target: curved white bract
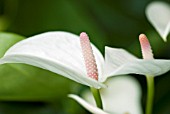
x,y
122,96
86,105
119,62
158,13
59,52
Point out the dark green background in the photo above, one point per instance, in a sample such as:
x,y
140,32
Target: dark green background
x,y
115,23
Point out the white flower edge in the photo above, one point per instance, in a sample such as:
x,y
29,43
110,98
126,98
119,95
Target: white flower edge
x,y
119,62
158,13
123,95
86,105
59,52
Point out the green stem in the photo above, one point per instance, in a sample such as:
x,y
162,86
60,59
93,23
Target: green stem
x,y
97,97
150,94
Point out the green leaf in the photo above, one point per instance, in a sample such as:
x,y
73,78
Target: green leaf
x,y
20,82
7,40
27,108
162,93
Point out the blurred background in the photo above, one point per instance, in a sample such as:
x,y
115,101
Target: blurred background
x,y
115,23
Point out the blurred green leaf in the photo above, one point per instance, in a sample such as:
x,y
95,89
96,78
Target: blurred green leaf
x,y
7,40
162,93
26,108
20,82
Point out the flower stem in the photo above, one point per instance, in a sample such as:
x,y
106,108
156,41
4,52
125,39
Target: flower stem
x,y
97,97
150,94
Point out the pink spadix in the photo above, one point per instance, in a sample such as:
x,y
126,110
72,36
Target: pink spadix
x,y
88,55
145,47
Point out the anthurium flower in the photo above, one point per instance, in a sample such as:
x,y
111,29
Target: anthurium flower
x,y
119,61
77,59
158,13
122,62
61,53
123,96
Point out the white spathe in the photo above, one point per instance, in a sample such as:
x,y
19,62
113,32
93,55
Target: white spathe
x,y
123,96
158,13
119,62
60,52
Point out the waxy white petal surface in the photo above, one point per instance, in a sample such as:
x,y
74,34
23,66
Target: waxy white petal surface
x,y
86,105
59,52
122,96
119,62
158,13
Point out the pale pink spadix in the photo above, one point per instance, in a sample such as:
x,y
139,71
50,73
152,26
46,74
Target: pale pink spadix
x,y
145,47
89,59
